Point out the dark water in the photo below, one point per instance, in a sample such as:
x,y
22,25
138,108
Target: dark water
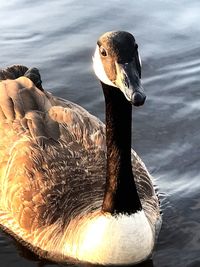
x,y
59,38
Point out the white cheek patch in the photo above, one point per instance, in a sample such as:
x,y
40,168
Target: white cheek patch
x,y
99,69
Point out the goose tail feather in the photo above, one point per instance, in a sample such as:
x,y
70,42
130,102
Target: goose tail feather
x,y
15,71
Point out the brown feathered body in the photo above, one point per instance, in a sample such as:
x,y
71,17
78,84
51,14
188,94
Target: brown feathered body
x,y
53,169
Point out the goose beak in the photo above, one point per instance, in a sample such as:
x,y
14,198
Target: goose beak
x,y
128,81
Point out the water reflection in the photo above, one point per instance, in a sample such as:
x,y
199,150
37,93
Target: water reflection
x,y
147,263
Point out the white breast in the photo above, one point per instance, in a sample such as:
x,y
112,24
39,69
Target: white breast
x,y
106,239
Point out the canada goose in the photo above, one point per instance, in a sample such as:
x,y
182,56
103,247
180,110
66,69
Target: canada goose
x,y
69,188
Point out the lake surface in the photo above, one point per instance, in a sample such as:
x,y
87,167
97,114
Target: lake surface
x,y
59,37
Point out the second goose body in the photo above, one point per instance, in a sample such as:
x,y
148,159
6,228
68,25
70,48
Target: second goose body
x,y
71,188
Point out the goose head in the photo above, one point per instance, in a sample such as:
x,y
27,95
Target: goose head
x,y
117,63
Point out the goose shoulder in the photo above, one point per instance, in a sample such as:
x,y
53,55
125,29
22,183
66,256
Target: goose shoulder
x,y
76,121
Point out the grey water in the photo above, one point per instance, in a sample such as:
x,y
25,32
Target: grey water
x,y
59,38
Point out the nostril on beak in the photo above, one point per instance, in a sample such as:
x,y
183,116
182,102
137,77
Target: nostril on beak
x,y
138,99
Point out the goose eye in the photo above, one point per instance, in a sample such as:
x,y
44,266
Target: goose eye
x,y
103,51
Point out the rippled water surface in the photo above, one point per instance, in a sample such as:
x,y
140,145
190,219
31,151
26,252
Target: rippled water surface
x,y
59,38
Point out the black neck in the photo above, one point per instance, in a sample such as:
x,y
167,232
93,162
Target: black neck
x,y
121,194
